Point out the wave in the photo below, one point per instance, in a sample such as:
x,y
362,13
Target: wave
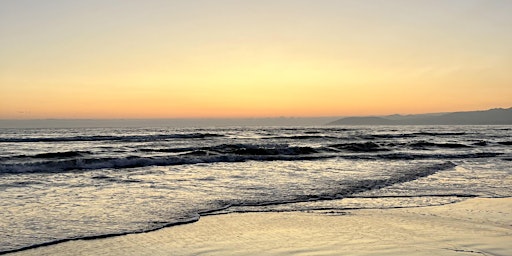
x,y
415,156
359,147
168,150
284,149
65,154
239,149
388,136
263,150
349,188
302,137
182,221
346,190
400,177
439,133
426,144
127,138
194,157
388,146
49,155
55,162
409,135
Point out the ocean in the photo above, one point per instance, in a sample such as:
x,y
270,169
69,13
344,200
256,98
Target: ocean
x,y
85,183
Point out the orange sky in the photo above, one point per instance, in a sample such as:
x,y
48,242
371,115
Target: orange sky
x,y
165,59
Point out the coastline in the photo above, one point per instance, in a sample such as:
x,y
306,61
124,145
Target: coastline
x,y
477,226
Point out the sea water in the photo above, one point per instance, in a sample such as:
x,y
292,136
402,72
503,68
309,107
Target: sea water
x,y
64,184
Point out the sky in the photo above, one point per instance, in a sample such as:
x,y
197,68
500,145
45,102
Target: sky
x,y
265,58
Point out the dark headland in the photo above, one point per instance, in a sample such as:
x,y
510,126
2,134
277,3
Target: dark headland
x,y
497,116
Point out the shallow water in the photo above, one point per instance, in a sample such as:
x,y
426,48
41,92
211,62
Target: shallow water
x,y
59,184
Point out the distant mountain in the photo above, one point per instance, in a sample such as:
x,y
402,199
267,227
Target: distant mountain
x,y
497,116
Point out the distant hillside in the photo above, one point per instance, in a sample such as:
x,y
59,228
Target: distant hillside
x,y
496,116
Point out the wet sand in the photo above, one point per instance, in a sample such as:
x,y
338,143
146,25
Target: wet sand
x,y
476,226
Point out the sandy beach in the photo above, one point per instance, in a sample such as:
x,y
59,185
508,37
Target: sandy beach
x,y
479,226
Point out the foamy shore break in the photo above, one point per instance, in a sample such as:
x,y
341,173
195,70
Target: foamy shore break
x,y
478,226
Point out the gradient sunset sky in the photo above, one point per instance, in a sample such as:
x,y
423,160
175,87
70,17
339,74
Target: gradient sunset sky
x,y
262,58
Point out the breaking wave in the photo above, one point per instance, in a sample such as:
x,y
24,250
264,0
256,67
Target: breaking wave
x,y
221,153
54,162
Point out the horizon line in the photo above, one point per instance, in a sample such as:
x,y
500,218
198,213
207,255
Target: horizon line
x,y
234,118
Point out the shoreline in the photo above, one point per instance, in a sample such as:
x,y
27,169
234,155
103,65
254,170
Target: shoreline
x,y
476,226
